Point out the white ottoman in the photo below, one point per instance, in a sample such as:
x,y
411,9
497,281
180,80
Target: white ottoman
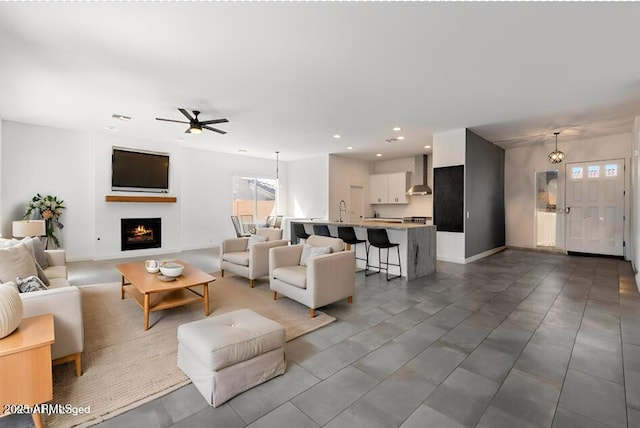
x,y
227,354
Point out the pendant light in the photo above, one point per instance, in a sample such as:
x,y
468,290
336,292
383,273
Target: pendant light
x,y
556,156
277,183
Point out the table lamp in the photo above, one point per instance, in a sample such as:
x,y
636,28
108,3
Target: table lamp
x,y
23,228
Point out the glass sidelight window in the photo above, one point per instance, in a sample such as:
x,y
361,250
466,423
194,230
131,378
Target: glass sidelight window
x,y
546,200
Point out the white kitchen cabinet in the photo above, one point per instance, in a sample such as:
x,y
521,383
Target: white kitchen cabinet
x,y
379,188
389,188
398,185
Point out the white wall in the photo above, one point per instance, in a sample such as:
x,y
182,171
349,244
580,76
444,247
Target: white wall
x,y
345,172
108,214
521,163
634,225
44,160
76,166
449,149
307,188
1,180
207,201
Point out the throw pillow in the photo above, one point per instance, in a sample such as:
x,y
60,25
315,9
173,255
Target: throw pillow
x,y
38,251
11,310
309,252
33,244
29,284
16,262
5,243
254,239
11,283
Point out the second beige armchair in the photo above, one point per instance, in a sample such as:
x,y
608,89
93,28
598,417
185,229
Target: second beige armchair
x,y
251,261
316,281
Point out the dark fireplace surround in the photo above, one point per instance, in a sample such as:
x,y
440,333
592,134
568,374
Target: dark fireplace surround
x,y
140,233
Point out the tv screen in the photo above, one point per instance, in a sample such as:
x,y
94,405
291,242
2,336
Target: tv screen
x,y
138,171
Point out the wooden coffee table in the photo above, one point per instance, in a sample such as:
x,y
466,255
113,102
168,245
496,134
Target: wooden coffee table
x,y
152,294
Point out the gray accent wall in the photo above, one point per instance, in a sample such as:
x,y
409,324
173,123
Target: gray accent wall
x,y
484,196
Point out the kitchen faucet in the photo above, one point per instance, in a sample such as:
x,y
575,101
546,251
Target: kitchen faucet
x,y
342,207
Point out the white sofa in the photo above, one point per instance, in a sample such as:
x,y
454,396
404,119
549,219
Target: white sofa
x,y
250,261
324,280
64,302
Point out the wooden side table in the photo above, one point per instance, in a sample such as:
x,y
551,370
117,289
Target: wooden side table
x,y
25,364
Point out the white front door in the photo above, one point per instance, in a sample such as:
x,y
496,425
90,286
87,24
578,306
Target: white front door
x,y
595,203
356,203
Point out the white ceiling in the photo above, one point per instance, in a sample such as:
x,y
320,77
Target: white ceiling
x,y
290,75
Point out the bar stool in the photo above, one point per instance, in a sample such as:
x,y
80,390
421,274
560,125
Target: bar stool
x,y
299,231
378,238
348,235
322,230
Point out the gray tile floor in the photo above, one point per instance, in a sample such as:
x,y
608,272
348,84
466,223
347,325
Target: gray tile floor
x,y
519,339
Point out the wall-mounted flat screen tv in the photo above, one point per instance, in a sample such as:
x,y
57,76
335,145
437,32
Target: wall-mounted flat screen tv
x,y
139,171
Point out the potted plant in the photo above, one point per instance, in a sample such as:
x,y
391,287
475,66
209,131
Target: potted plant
x,y
50,209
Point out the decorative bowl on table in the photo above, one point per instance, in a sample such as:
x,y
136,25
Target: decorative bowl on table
x,y
152,266
171,269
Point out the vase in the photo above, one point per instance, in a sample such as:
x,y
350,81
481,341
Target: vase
x,y
35,214
10,309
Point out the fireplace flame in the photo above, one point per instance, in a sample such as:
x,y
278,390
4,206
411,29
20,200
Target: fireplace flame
x,y
141,230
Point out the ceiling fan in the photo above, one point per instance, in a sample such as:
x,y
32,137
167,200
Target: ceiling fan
x,y
196,126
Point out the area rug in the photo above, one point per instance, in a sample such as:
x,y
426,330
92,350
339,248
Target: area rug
x,y
125,366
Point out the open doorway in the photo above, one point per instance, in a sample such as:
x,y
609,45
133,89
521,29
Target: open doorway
x,y
546,208
356,203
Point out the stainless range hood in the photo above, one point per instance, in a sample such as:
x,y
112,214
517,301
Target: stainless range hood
x,y
420,189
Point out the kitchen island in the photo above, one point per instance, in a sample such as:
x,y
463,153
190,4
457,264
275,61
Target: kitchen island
x,y
417,244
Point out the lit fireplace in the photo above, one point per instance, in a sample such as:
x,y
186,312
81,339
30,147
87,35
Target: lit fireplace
x,y
140,233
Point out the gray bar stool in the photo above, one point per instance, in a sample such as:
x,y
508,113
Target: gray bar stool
x,y
299,231
322,230
348,235
378,238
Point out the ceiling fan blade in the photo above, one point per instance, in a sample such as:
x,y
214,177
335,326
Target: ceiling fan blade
x,y
214,129
210,122
186,114
171,120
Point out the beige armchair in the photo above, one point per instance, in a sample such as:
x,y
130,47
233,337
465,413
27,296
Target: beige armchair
x,y
65,304
250,261
60,299
326,278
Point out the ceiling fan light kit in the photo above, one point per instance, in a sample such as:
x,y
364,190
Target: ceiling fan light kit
x,y
556,156
196,126
194,129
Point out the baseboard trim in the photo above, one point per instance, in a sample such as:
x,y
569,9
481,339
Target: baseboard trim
x,y
551,250
485,254
450,260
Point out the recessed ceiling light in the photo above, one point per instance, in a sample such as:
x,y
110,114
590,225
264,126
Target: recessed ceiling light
x,y
397,128
379,154
121,117
401,138
337,136
349,148
427,147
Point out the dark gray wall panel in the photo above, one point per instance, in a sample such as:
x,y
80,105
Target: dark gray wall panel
x,y
448,198
485,227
